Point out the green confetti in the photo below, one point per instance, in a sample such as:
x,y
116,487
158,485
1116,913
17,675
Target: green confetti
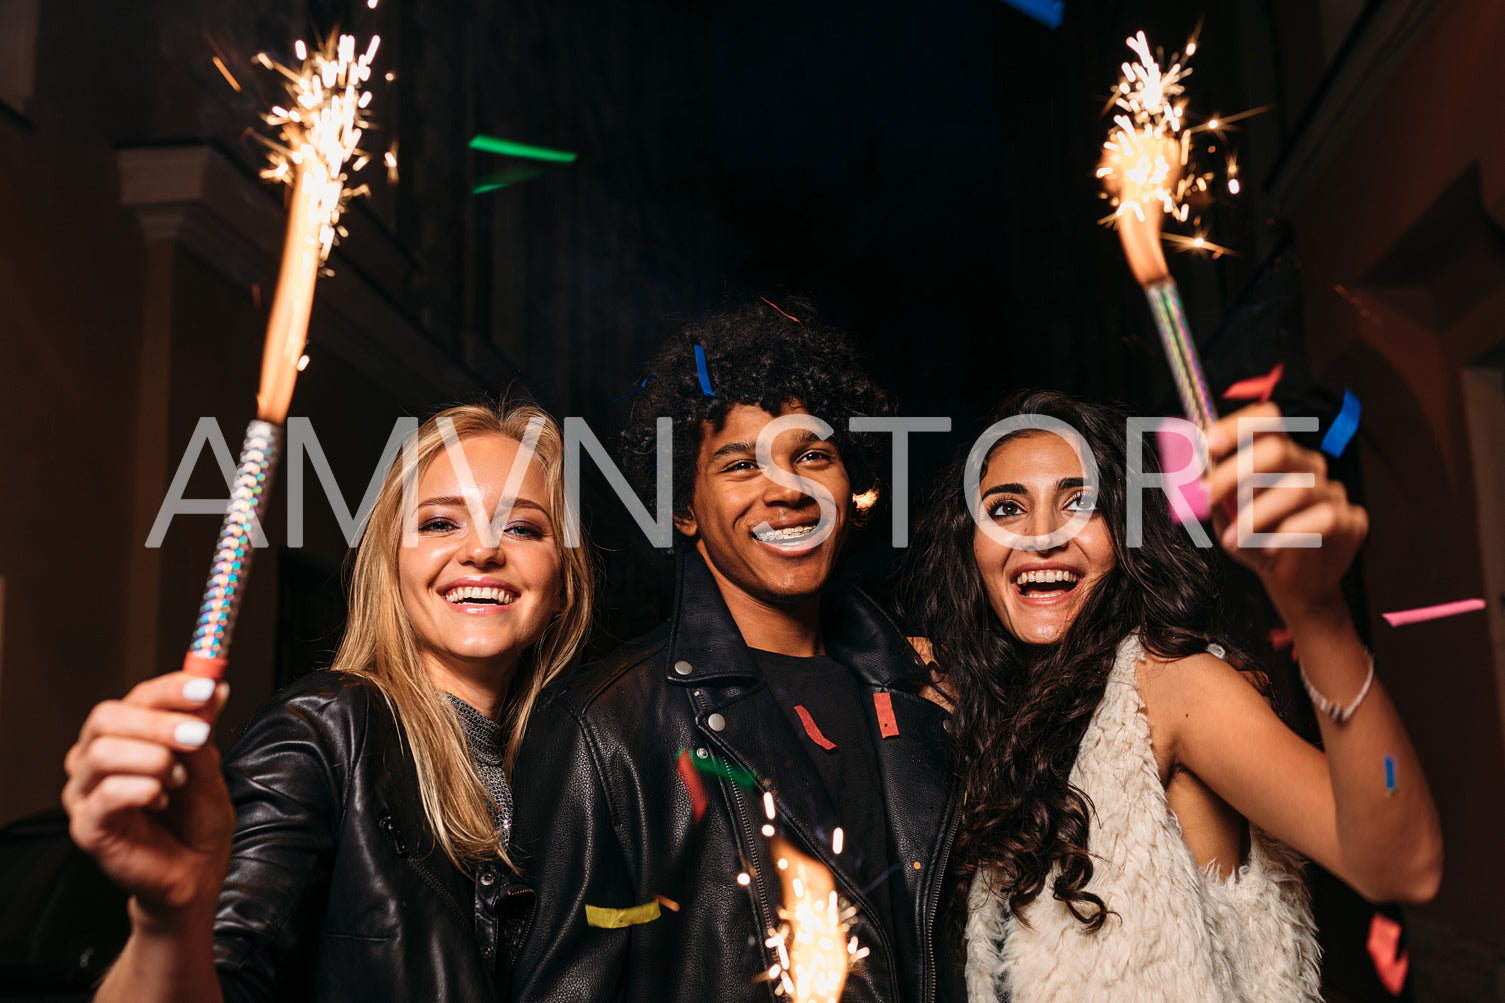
x,y
491,144
711,766
511,176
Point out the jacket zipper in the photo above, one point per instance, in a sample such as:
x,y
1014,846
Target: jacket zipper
x,y
929,989
438,886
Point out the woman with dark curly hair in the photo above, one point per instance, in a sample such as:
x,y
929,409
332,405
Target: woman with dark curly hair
x,y
1129,793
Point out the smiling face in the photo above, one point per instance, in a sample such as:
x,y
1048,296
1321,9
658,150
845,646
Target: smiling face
x,y
1031,487
785,563
476,604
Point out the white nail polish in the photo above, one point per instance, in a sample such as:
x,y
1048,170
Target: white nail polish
x,y
198,689
191,733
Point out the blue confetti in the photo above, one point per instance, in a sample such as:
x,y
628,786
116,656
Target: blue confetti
x,y
705,377
634,393
1343,426
1047,12
1389,775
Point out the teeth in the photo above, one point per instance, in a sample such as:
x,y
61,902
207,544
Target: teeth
x,y
467,592
1027,577
780,535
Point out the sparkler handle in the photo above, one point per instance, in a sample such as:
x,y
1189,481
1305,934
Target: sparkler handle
x,y
232,554
1181,352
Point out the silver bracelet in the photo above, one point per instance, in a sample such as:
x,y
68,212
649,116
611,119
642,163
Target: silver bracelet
x,y
1334,711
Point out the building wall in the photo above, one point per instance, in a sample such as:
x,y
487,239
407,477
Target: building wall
x,y
1395,197
137,265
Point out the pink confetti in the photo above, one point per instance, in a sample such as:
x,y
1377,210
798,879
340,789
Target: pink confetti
x,y
1256,388
888,727
1401,617
1177,454
1384,938
812,729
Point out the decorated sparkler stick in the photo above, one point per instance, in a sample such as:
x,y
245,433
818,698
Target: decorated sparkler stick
x,y
1146,171
812,943
320,129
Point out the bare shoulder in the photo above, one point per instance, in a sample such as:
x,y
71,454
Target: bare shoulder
x,y
1191,693
1194,677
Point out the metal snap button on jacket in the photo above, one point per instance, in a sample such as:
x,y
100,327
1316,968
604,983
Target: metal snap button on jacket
x,y
683,667
716,722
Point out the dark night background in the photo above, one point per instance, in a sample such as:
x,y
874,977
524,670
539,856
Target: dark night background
x,y
922,171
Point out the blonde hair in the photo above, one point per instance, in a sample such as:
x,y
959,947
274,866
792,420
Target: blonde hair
x,y
379,644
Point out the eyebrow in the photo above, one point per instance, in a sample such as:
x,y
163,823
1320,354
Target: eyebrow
x,y
742,448
1015,488
456,501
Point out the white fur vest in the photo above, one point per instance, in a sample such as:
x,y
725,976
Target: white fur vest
x,y
1175,933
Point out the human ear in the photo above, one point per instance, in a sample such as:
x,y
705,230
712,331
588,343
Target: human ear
x,y
687,524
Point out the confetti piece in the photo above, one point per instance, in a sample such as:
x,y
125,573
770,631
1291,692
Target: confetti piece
x,y
741,776
1256,388
666,902
705,377
1280,639
1389,775
696,789
1391,966
887,726
507,148
1047,12
812,730
1177,452
791,316
511,176
615,919
634,393
1401,617
1343,426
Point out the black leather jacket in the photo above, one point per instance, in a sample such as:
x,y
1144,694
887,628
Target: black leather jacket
x,y
336,890
604,819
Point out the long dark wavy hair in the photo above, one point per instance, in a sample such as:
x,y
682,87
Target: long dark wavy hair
x,y
1020,711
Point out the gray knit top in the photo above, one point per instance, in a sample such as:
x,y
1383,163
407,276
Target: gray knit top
x,y
487,743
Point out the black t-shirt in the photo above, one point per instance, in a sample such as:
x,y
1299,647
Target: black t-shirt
x,y
839,708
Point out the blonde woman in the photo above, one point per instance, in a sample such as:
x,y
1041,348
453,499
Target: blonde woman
x,y
354,846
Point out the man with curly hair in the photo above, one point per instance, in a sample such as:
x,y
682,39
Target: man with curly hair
x,y
774,700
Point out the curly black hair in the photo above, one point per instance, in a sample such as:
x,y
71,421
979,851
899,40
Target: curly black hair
x,y
1021,711
761,355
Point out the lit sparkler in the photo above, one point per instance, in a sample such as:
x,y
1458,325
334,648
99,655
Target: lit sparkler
x,y
319,130
813,945
1148,174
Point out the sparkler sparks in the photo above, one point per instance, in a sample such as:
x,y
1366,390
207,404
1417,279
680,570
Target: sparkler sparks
x,y
321,127
1147,172
1147,158
812,944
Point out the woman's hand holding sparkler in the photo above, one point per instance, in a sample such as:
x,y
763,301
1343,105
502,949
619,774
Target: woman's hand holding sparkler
x,y
1299,577
145,798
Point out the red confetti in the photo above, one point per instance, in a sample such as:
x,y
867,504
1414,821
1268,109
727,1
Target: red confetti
x,y
791,316
1280,640
1384,938
1256,388
812,730
691,778
887,726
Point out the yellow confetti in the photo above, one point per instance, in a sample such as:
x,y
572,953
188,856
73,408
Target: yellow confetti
x,y
615,919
